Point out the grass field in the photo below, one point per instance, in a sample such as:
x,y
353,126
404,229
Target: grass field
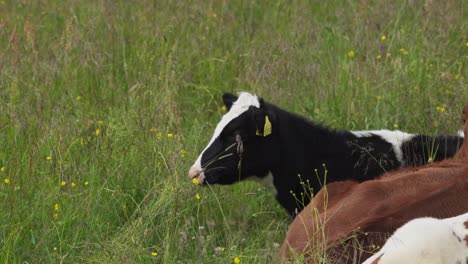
x,y
104,106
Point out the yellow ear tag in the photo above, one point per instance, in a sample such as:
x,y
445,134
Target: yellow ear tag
x,y
258,133
267,127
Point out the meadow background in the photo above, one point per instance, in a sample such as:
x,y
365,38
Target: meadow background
x,y
104,106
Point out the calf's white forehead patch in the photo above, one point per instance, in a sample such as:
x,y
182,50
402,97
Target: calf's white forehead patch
x,y
241,105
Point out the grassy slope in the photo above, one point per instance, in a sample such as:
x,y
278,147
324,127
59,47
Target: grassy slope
x,y
97,86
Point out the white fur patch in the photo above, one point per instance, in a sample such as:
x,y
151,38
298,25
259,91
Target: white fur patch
x,y
461,134
267,181
395,137
426,240
240,106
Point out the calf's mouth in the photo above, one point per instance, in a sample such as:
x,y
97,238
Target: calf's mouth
x,y
197,173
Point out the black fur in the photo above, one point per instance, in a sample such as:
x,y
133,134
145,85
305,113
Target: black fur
x,y
421,148
302,155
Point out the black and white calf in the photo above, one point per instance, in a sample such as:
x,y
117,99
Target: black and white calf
x,y
294,156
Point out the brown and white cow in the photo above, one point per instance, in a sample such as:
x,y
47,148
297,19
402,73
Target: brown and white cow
x,y
347,219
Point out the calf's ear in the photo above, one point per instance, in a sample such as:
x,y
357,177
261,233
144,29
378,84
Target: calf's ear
x,y
263,125
261,102
229,99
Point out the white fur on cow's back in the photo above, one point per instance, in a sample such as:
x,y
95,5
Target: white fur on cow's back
x,y
394,137
426,240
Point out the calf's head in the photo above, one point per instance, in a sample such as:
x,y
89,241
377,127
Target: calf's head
x,y
240,142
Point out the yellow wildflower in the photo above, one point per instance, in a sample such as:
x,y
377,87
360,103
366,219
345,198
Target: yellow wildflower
x,y
466,44
383,38
55,248
388,54
73,185
198,196
86,183
170,135
98,132
403,51
378,57
100,122
48,158
378,97
395,125
6,181
195,181
440,109
63,183
56,215
237,260
2,169
224,108
182,153
78,98
153,130
56,207
154,253
351,54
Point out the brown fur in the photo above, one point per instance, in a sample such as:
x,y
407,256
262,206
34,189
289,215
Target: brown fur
x,y
463,151
378,207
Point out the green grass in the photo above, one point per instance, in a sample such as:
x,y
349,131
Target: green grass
x,y
147,69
